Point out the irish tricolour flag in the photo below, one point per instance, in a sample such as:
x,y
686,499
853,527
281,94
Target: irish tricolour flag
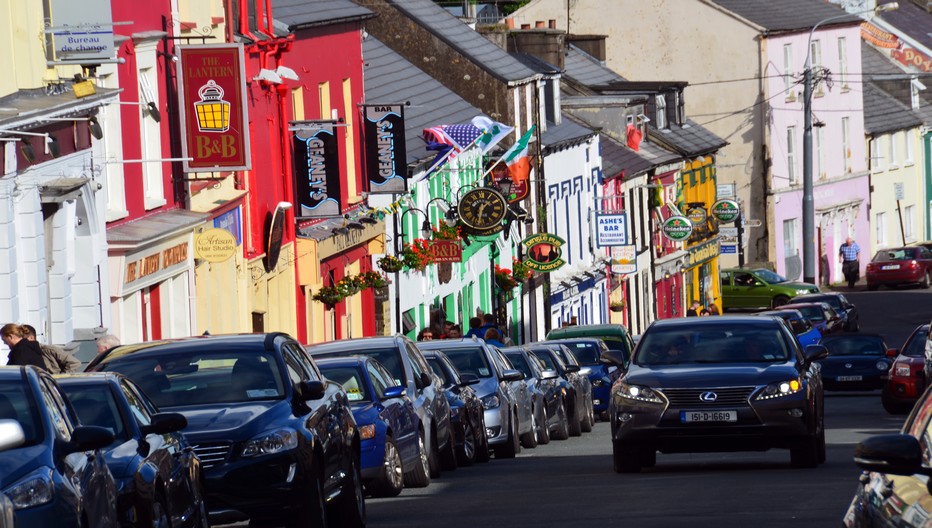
x,y
519,164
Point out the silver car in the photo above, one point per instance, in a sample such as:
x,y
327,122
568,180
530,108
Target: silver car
x,y
524,403
474,356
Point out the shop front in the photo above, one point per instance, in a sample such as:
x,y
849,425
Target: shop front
x,y
701,276
219,277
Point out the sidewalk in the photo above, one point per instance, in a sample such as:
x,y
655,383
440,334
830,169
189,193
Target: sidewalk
x,y
842,287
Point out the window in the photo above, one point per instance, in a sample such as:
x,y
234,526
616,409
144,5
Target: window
x,y
909,225
908,147
789,237
846,144
349,110
815,65
891,151
819,140
791,154
788,71
880,226
136,406
876,159
150,137
842,62
661,112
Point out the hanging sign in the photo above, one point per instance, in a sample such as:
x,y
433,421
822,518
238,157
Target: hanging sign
x,y
611,229
316,169
697,215
726,211
385,154
543,252
624,259
215,245
677,228
82,32
445,250
212,93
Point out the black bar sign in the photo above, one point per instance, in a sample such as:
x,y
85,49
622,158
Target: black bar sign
x,y
386,157
316,170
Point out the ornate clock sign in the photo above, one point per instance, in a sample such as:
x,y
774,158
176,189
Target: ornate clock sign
x,y
482,211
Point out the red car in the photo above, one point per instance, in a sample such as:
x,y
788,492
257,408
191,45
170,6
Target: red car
x,y
903,265
907,379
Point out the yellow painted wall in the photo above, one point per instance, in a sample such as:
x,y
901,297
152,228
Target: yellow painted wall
x,y
349,111
219,290
274,293
202,13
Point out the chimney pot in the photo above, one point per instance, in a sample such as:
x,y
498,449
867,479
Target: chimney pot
x,y
525,26
510,22
552,23
539,24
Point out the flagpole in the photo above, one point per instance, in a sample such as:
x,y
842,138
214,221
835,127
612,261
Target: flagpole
x,y
492,165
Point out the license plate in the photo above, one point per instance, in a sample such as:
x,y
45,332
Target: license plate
x,y
890,267
849,378
708,416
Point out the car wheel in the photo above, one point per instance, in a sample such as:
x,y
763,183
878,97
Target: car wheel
x,y
312,512
805,453
467,454
780,300
391,481
483,453
926,281
160,513
543,428
589,421
350,505
448,455
529,439
562,430
433,457
510,448
419,476
574,422
894,407
625,459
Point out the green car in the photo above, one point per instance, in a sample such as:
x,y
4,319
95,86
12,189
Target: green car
x,y
759,288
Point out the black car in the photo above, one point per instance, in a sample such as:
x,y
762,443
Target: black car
x,y
851,320
405,362
277,441
707,384
549,410
54,476
158,476
467,416
578,396
856,362
587,351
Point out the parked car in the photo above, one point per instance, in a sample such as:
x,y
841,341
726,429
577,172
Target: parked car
x,y
820,314
587,352
527,425
806,333
856,362
700,384
893,489
759,288
277,441
158,477
53,473
615,336
405,362
578,395
388,425
851,319
898,266
546,393
908,378
467,415
472,356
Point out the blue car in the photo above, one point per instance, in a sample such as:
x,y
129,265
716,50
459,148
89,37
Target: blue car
x,y
386,420
55,475
806,333
467,415
601,375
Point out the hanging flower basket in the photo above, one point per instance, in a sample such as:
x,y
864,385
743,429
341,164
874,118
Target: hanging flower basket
x,y
348,286
391,264
520,271
416,255
374,279
328,295
617,306
445,232
504,279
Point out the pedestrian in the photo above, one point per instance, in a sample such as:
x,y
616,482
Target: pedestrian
x,y
492,338
474,324
426,334
488,321
704,312
713,309
849,255
693,309
455,332
22,350
106,342
57,361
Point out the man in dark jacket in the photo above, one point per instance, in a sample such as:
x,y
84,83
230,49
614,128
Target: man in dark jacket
x,y
57,361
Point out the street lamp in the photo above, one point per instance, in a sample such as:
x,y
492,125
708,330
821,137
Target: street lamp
x,y
809,251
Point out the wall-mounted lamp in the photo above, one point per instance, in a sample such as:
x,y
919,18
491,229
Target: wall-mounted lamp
x,y
268,76
426,230
51,144
285,72
150,108
284,206
451,217
340,231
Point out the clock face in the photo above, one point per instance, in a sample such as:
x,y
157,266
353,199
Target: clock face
x,y
483,209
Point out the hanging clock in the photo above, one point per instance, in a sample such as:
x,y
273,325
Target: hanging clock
x,y
483,210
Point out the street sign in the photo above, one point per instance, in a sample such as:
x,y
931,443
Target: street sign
x,y
752,223
725,191
898,191
728,249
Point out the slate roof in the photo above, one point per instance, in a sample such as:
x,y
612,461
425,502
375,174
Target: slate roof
x,y
462,38
535,63
877,67
657,155
883,113
787,15
297,14
586,69
567,132
690,139
911,20
618,159
390,78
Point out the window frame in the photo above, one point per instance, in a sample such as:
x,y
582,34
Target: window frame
x,y
791,155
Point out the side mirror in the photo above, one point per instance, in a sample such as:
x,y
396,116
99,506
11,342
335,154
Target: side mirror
x,y
815,353
585,371
310,390
393,392
164,423
469,379
426,380
572,368
897,454
11,434
89,438
512,375
613,357
892,352
549,374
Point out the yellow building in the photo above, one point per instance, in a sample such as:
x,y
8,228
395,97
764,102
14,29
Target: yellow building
x,y
696,192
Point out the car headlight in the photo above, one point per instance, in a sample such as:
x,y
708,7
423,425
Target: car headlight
x,y
271,442
882,365
780,389
598,382
903,370
367,431
34,489
638,393
491,401
802,292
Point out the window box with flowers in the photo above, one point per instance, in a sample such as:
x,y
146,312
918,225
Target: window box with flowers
x,y
520,271
391,264
616,306
416,255
328,295
445,232
504,279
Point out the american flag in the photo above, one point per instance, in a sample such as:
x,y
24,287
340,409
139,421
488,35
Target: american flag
x,y
457,136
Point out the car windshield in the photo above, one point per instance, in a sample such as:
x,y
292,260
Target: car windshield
x,y
95,405
203,377
16,404
517,359
855,346
437,366
833,300
894,254
588,353
390,358
470,360
916,347
547,359
770,277
352,380
800,326
725,343
813,313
